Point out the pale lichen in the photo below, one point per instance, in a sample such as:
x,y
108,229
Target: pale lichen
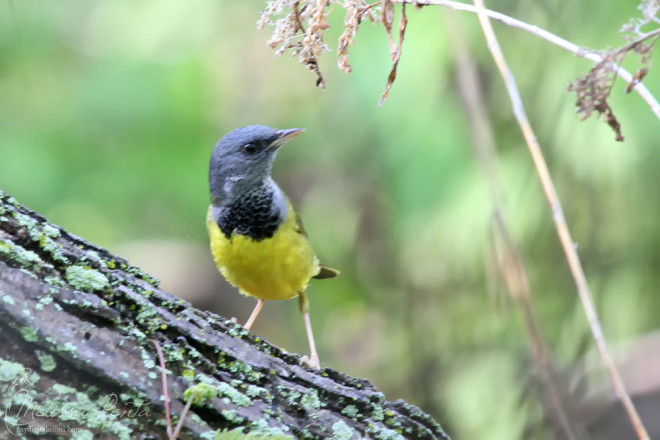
x,y
341,431
85,279
46,361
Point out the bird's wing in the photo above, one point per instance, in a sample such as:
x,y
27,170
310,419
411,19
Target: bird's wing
x,y
325,272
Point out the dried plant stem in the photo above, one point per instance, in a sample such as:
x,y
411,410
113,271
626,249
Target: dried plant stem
x,y
510,263
182,419
163,374
559,219
552,38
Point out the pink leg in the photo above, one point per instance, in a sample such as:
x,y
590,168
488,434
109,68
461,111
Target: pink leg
x,y
254,314
313,360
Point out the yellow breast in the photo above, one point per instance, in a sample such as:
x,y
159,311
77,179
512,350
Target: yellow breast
x,y
274,268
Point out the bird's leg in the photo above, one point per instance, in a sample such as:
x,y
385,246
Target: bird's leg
x,y
254,314
313,360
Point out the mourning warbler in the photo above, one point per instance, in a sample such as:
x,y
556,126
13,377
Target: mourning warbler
x,y
257,239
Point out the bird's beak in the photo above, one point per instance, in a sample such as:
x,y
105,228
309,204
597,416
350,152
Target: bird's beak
x,y
283,136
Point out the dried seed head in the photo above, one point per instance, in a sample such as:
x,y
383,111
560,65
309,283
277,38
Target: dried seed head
x,y
355,11
300,31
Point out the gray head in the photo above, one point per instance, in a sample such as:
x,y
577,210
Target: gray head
x,y
243,158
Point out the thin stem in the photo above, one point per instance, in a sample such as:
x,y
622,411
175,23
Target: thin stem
x,y
510,262
184,413
559,219
163,375
552,38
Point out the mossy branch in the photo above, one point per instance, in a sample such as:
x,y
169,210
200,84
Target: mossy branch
x,y
77,323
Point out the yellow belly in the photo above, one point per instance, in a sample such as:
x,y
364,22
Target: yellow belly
x,y
275,268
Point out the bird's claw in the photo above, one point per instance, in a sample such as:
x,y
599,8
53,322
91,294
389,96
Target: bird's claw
x,y
312,361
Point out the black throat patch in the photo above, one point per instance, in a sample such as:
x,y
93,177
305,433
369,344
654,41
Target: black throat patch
x,y
253,215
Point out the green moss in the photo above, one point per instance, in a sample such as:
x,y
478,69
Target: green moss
x,y
377,414
200,393
237,434
311,401
236,397
425,419
69,404
94,257
63,389
13,252
188,375
232,416
383,433
82,435
64,403
85,279
9,371
261,429
138,334
47,362
137,273
174,353
9,300
29,334
341,431
70,347
148,319
237,366
206,379
255,391
43,301
51,247
237,331
50,231
292,397
350,411
29,272
147,360
30,224
393,422
24,220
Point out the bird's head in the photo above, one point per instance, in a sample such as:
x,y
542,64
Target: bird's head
x,y
244,157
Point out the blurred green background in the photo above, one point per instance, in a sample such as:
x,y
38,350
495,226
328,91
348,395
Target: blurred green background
x,y
109,112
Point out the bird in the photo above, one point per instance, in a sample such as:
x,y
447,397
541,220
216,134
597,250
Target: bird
x,y
257,239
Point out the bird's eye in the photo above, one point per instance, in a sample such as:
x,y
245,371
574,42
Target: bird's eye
x,y
250,148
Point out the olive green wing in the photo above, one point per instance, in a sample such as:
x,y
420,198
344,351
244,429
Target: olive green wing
x,y
325,272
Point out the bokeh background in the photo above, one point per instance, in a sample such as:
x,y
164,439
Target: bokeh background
x,y
109,111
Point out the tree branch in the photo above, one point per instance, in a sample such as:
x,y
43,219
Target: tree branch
x,y
77,323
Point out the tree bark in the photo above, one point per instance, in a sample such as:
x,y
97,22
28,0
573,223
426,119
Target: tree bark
x,y
77,358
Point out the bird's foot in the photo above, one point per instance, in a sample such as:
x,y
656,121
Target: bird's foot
x,y
312,361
